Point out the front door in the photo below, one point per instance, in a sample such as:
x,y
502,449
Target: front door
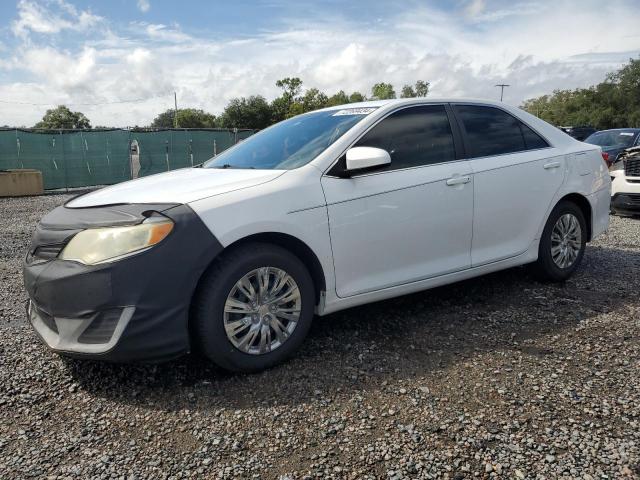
x,y
410,221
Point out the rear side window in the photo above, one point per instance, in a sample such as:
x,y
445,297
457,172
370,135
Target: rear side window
x,y
413,137
491,131
531,139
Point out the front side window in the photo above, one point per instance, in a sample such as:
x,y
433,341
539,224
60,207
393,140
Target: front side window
x,y
291,143
413,137
491,131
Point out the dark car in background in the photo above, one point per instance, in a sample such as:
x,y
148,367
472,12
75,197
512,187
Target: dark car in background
x,y
613,142
579,133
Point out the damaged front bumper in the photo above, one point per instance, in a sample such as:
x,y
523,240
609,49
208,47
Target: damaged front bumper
x,y
133,309
96,333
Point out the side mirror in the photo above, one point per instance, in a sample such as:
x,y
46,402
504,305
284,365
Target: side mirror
x,y
365,158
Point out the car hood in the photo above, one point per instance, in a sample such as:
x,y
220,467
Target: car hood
x,y
611,148
179,186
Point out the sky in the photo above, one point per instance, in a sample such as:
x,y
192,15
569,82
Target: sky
x,y
119,61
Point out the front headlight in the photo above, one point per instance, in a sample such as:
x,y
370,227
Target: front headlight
x,y
98,245
619,165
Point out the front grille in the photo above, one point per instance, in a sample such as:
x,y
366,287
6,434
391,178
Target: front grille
x,y
47,252
101,328
47,244
632,166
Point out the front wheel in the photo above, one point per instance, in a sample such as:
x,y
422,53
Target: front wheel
x,y
253,308
562,244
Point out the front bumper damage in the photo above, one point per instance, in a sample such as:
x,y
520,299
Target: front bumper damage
x,y
133,309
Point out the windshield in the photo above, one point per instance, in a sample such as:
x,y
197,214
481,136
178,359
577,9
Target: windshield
x,y
612,138
291,143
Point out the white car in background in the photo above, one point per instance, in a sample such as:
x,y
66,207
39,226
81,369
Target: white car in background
x,y
625,182
324,211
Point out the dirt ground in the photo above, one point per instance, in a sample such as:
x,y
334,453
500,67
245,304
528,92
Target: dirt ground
x,y
496,377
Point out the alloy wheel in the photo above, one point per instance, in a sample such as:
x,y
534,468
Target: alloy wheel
x,y
566,240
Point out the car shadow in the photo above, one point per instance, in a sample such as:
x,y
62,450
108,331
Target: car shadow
x,y
405,338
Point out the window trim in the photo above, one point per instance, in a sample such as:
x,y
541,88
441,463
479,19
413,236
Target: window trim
x,y
458,144
465,135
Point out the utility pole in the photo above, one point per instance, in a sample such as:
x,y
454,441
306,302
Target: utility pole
x,y
175,112
502,85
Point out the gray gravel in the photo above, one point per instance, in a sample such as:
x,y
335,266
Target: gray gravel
x,y
498,377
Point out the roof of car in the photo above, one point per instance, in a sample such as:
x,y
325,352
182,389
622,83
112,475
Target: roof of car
x,y
619,130
402,101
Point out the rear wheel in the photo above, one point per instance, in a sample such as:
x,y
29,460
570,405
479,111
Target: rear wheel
x,y
562,244
253,307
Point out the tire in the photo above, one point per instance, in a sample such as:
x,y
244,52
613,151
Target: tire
x,y
548,269
216,289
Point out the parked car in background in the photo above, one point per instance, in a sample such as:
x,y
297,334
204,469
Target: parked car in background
x,y
324,211
613,142
625,182
579,133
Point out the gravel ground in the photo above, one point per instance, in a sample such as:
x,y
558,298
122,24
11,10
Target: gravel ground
x,y
498,377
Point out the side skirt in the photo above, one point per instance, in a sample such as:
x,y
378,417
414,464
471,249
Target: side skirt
x,y
335,303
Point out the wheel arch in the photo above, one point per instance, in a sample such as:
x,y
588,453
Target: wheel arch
x,y
294,245
583,204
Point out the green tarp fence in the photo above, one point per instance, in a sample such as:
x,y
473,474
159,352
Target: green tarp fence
x,y
69,158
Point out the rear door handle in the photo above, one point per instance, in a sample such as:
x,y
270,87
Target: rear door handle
x,y
550,165
458,180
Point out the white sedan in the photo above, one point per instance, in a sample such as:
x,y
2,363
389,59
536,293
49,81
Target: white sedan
x,y
321,212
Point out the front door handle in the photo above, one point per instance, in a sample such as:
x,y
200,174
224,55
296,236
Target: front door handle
x,y
550,165
458,180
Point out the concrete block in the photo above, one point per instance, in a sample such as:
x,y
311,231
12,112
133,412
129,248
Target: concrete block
x,y
20,182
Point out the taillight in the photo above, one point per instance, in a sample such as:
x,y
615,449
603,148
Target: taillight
x,y
605,157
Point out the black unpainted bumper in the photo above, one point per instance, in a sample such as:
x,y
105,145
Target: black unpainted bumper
x,y
628,203
134,309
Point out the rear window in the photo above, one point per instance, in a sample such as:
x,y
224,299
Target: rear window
x,y
491,131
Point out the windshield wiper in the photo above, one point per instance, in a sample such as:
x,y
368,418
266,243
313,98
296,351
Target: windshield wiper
x,y
228,165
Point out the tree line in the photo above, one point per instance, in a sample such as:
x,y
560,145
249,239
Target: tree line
x,y
253,112
614,103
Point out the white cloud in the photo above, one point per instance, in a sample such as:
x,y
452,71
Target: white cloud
x,y
474,8
536,48
50,18
143,5
64,71
164,33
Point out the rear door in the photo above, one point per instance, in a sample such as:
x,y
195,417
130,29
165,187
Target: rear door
x,y
516,176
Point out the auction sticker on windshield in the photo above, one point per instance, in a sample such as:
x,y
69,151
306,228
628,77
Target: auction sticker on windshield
x,y
355,111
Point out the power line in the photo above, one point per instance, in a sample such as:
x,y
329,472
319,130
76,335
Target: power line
x,y
137,100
